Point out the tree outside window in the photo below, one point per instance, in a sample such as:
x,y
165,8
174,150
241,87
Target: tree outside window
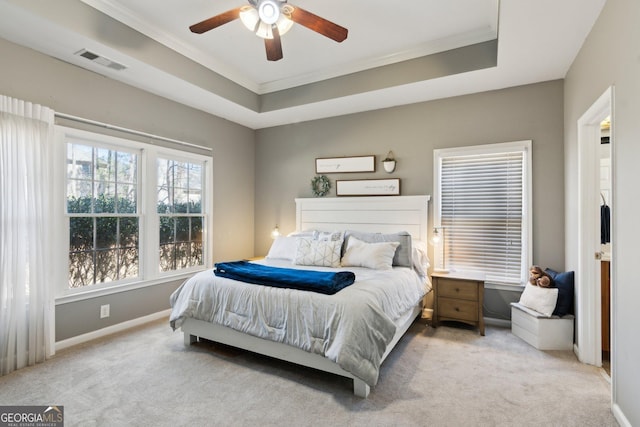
x,y
103,215
135,212
181,219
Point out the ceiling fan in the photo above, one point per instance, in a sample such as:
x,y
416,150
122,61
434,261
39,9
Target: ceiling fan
x,y
270,19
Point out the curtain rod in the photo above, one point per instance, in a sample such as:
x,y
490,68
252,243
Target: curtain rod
x,y
131,131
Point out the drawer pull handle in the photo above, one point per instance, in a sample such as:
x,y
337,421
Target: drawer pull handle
x,y
457,289
457,309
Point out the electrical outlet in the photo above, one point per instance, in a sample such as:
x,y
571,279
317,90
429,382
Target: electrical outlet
x,y
104,311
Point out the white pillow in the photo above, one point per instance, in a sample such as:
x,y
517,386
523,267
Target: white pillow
x,y
378,256
305,233
321,253
542,300
402,257
420,258
283,247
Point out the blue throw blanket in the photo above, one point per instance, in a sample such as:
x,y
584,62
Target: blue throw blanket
x,y
325,282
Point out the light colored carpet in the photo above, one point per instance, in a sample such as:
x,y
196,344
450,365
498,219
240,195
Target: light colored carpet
x,y
449,376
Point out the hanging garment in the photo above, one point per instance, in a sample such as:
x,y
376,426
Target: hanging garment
x,y
605,224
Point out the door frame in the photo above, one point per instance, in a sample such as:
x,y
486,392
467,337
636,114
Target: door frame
x,y
588,346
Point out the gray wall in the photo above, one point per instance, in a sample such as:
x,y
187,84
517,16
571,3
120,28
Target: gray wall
x,y
611,57
28,75
285,158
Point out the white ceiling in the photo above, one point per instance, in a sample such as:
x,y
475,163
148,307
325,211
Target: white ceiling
x,y
239,55
537,41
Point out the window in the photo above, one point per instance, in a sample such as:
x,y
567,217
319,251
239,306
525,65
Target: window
x,y
102,189
482,207
135,212
180,210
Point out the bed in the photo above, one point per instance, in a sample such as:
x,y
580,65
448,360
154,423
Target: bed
x,y
348,333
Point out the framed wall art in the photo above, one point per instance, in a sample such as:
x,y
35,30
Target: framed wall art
x,y
368,187
346,164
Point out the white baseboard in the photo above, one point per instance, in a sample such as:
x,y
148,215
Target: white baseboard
x,y
60,345
619,416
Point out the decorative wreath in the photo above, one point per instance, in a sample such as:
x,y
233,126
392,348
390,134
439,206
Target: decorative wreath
x,y
320,185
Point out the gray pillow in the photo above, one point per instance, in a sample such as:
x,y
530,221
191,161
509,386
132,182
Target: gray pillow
x,y
402,257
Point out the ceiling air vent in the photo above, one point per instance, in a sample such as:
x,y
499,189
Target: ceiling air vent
x,y
100,60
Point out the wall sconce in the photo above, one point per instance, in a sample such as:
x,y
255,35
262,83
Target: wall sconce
x,y
389,162
439,239
275,232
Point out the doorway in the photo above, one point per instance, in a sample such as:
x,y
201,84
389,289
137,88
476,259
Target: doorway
x,y
589,295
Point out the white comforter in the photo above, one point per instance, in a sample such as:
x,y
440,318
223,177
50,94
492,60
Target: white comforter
x,y
352,327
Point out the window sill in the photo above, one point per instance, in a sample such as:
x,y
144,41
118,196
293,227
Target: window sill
x,y
502,287
488,283
108,290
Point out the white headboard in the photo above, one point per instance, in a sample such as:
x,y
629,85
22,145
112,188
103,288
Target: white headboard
x,y
383,214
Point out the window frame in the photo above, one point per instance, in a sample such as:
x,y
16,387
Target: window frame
x,y
184,159
523,146
117,148
148,154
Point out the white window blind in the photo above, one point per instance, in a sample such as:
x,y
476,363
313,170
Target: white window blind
x,y
483,210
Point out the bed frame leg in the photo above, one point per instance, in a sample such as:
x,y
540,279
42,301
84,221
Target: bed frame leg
x,y
189,339
360,388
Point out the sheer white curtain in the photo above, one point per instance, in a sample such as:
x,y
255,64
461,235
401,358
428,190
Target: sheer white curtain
x,y
26,295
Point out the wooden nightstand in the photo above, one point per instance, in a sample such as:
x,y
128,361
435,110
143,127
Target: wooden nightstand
x,y
458,297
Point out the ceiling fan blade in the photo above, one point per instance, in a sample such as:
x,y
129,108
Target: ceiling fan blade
x,y
274,46
318,24
216,21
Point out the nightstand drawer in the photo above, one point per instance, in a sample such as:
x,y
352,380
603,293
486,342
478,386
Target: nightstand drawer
x,y
450,288
458,309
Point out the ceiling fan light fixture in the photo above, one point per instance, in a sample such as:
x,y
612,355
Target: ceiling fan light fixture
x,y
250,18
264,30
284,24
259,20
269,11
